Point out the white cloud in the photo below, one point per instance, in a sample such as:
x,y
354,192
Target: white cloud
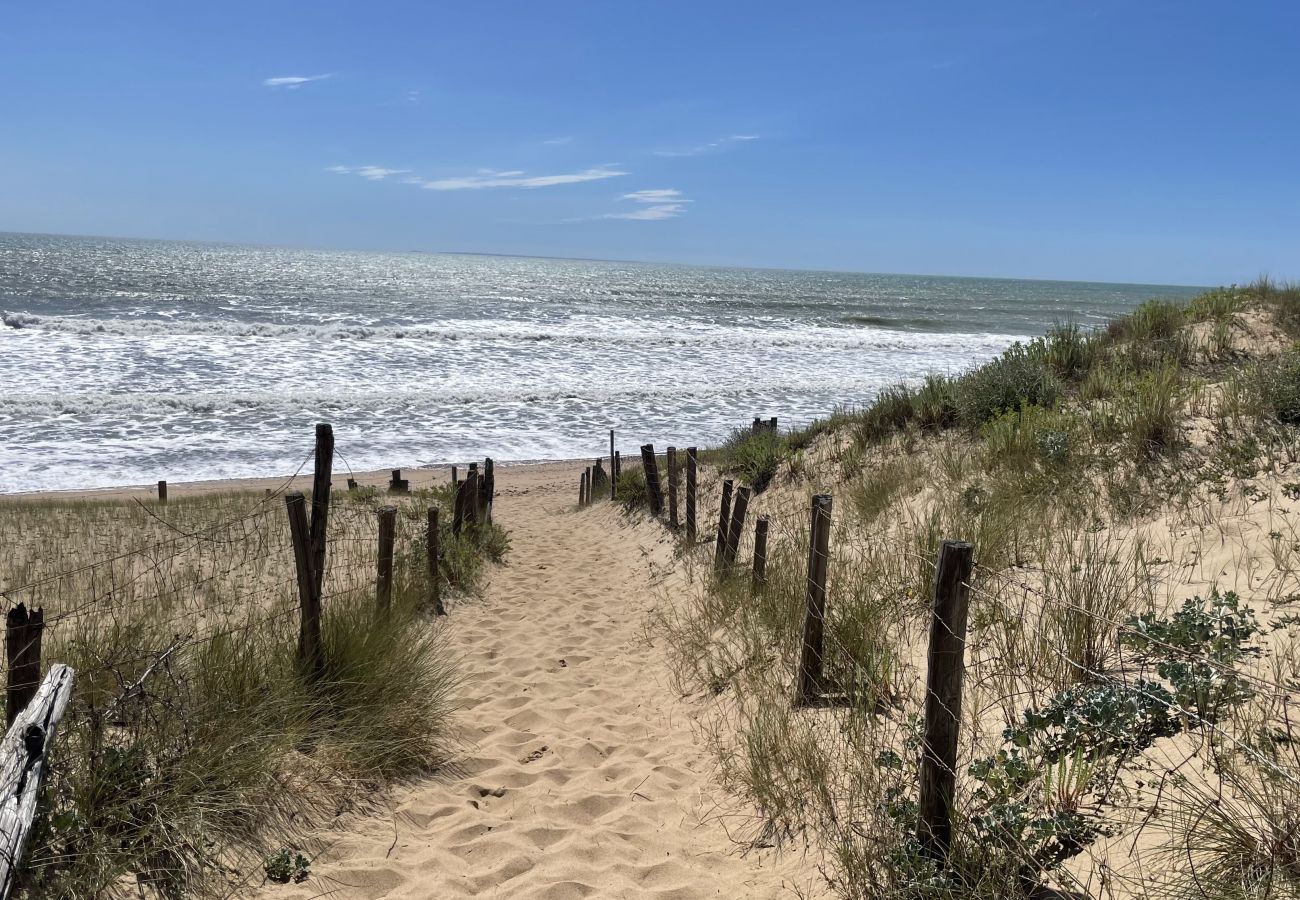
x,y
374,173
486,178
656,195
340,170
710,147
559,141
293,82
657,203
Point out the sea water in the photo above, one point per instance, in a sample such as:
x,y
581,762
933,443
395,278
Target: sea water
x,y
127,361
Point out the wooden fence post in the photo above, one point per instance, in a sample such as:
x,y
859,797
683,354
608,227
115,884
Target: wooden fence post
x,y
771,425
809,683
24,758
613,468
724,521
946,668
320,502
583,481
435,554
470,487
618,465
162,492
23,630
738,507
384,567
652,490
672,488
488,489
760,554
691,464
454,479
311,652
757,426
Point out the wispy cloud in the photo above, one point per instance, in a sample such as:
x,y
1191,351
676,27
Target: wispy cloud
x,y
558,141
710,147
657,203
374,173
293,82
487,178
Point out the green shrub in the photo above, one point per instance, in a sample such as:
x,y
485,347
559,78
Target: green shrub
x,y
1280,387
1152,415
1017,378
892,410
1067,350
1029,436
935,402
753,455
630,489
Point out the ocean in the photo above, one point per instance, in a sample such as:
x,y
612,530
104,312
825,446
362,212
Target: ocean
x,y
128,361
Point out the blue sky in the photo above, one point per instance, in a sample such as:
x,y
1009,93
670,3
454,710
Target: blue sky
x,y
1152,141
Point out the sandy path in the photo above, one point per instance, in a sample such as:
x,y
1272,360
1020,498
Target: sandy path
x,y
580,775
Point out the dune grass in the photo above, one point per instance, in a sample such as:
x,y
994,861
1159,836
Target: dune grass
x,y
1095,472
195,754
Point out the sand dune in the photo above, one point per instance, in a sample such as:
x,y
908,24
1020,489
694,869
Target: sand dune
x,y
580,773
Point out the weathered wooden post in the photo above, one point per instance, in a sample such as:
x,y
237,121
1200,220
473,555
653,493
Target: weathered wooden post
x,y
488,489
311,651
24,759
435,554
384,567
475,506
946,668
458,509
724,522
771,425
23,630
582,487
352,484
320,502
672,488
809,681
757,426
162,492
454,479
737,528
691,464
470,488
760,554
613,468
652,491
618,465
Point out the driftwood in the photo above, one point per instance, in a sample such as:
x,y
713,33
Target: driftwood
x,y
23,756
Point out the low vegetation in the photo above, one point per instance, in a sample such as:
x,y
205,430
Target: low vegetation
x,y
196,753
1131,494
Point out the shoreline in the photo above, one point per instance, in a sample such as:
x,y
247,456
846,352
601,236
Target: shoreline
x,y
421,477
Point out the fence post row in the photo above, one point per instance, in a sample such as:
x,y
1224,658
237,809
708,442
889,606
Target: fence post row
x,y
809,683
724,518
384,565
435,554
23,761
760,554
691,463
943,683
651,466
672,488
310,650
738,507
23,630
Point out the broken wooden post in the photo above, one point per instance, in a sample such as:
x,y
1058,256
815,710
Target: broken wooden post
x,y
672,488
23,630
771,425
691,464
760,554
435,554
24,760
320,502
384,567
397,484
809,683
352,484
946,668
651,466
757,426
724,522
311,654
470,487
162,492
740,503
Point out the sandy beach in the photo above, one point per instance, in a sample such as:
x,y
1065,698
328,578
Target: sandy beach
x,y
579,773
